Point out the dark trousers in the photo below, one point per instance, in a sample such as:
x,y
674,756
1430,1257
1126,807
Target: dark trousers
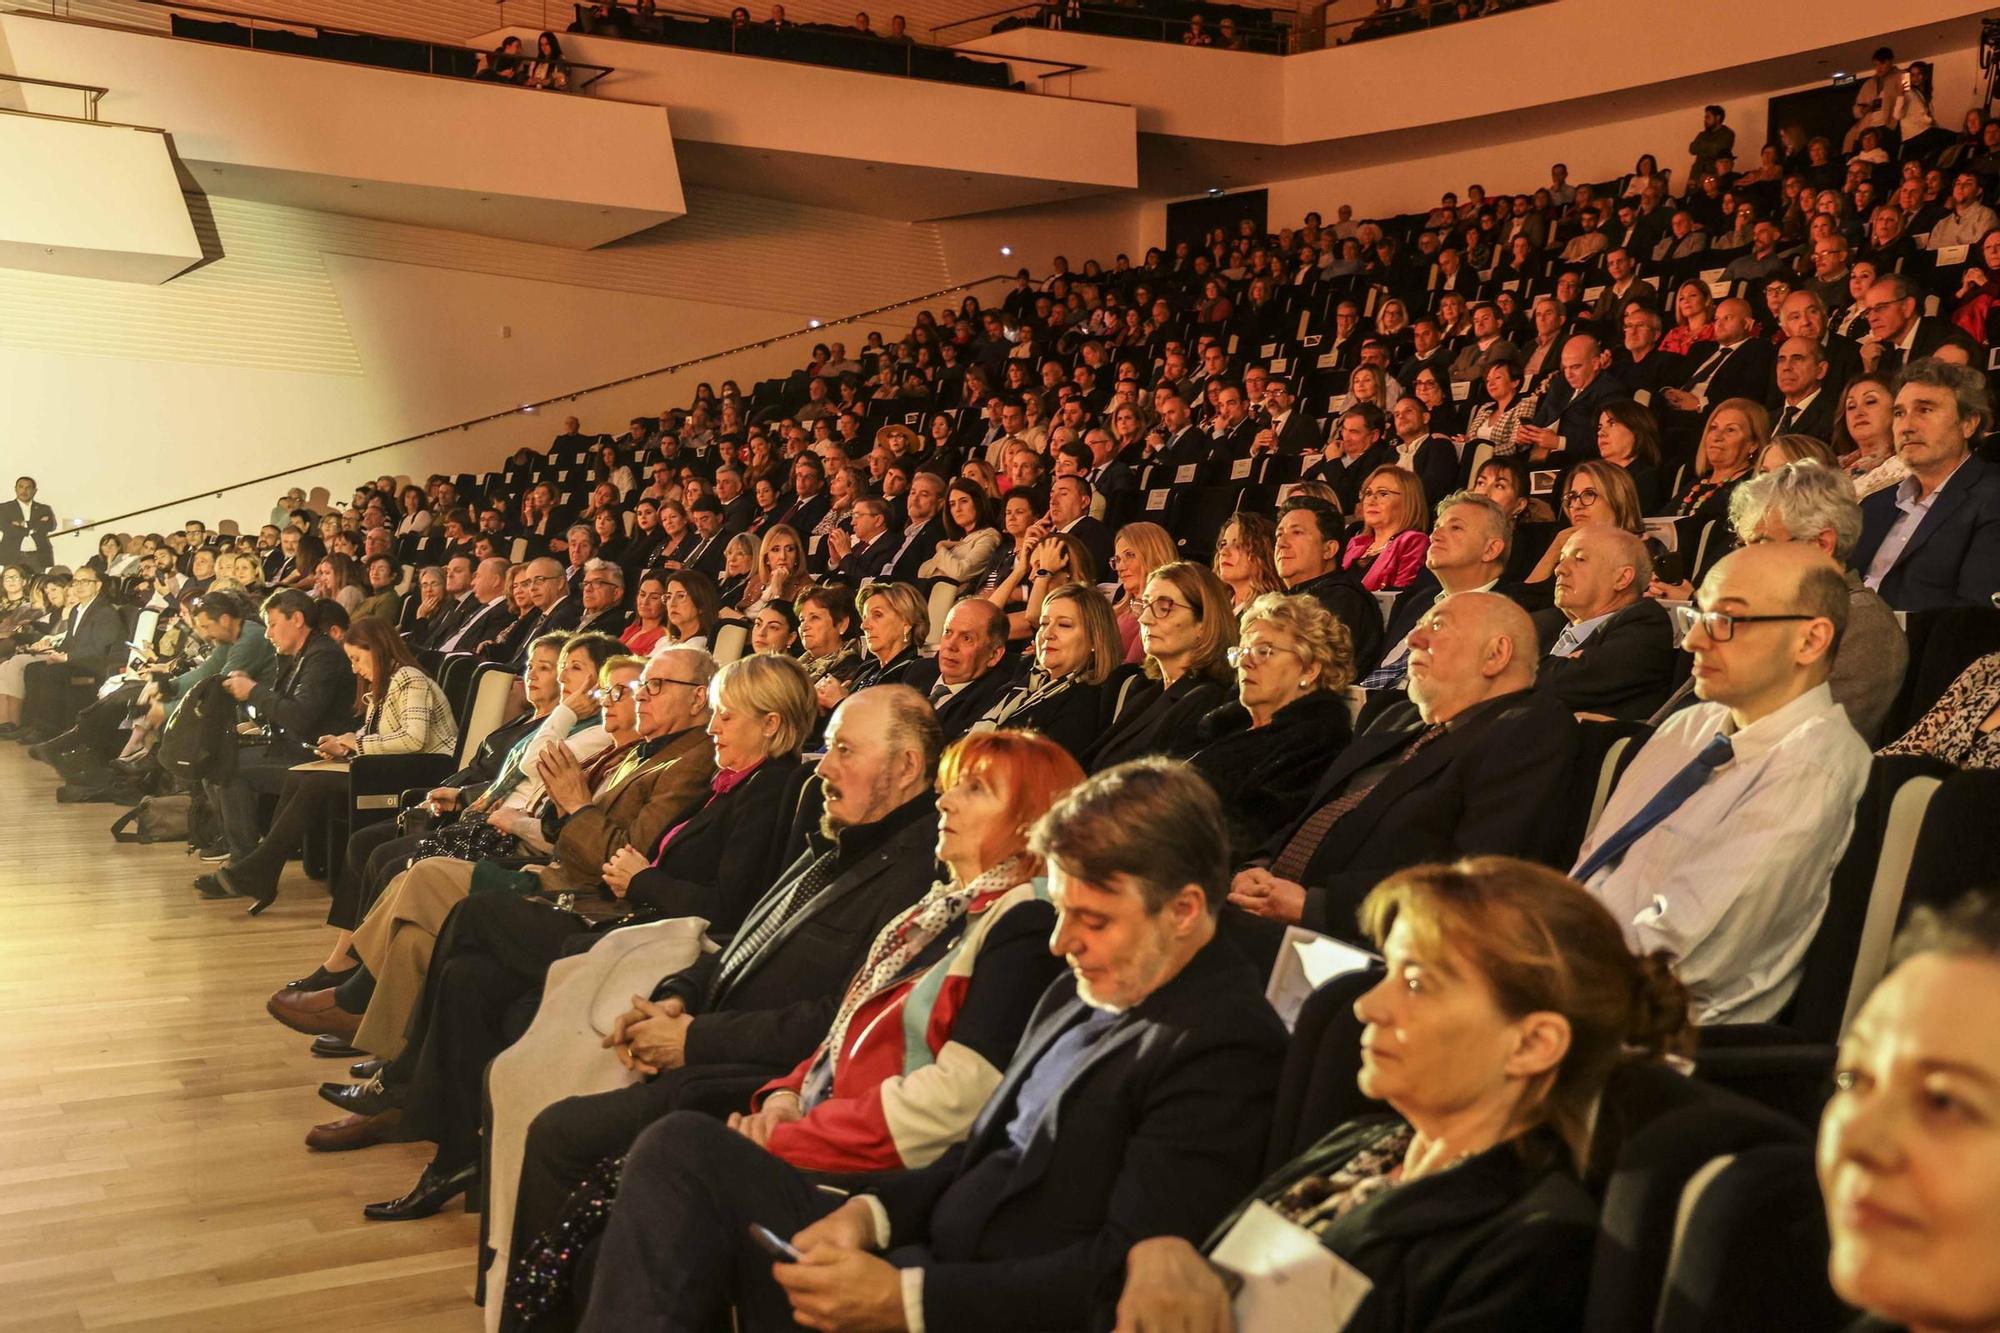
x,y
49,702
570,1137
677,1254
101,724
376,854
485,980
304,800
260,771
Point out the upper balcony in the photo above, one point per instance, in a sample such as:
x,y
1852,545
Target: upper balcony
x,y
396,144
865,125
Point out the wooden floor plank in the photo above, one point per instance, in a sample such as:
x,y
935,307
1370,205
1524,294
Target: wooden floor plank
x,y
152,1169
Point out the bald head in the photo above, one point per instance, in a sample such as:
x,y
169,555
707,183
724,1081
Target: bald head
x,y
1765,664
1601,569
1468,648
1732,321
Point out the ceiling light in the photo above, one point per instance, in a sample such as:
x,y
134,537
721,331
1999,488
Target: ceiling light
x,y
1006,249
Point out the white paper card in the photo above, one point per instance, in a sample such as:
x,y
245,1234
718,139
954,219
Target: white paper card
x,y
1327,360
1308,960
1239,469
1461,390
1184,474
1948,255
1663,531
1291,1283
1156,500
1592,293
1711,275
1720,289
1280,364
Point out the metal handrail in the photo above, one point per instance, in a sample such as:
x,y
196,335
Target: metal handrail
x,y
91,92
1418,15
270,21
815,327
873,41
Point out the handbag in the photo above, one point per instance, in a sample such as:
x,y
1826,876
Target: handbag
x,y
468,840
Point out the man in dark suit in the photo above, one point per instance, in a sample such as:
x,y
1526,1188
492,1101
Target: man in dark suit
x,y
860,550
1069,511
1232,429
1805,405
25,525
1640,366
1181,442
969,673
1135,1106
459,602
1434,780
809,498
555,610
1563,428
1468,553
924,503
85,646
311,695
1739,366
1290,431
490,613
1112,484
1306,552
1353,450
602,596
1432,457
1428,352
1607,647
1897,334
716,1031
739,507
712,539
1934,539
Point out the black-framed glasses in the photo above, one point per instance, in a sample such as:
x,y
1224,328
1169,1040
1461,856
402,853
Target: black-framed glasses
x,y
1720,625
610,694
1586,496
651,689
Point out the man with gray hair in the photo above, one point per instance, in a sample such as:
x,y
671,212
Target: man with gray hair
x,y
1610,648
1811,503
1933,540
1898,333
1470,539
603,595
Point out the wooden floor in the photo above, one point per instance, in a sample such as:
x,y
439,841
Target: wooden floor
x,y
153,1173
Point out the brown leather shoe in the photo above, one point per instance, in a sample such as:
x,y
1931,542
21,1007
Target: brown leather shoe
x,y
312,1012
354,1131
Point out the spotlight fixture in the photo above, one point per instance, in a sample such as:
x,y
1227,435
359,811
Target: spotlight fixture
x,y
1007,250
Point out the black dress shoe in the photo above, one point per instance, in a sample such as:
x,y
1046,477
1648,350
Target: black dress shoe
x,y
370,1098
333,1046
367,1069
209,887
261,896
48,750
319,980
433,1190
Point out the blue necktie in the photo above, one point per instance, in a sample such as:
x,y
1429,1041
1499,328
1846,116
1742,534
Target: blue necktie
x,y
1665,801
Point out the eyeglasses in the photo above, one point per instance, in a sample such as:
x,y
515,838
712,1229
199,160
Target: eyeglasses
x,y
1159,608
1879,307
652,689
601,583
543,578
1585,496
1259,653
611,694
1719,625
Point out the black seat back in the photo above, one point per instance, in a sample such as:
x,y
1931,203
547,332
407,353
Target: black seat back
x,y
1317,1090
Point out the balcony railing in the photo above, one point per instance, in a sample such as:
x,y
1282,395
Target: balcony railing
x,y
1231,27
91,94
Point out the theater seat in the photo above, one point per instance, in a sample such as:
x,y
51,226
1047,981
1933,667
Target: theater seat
x,y
1750,1248
1317,1091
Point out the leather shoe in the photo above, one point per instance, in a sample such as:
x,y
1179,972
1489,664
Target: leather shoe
x,y
370,1098
312,1012
209,887
332,1047
354,1131
260,896
47,750
433,1190
367,1069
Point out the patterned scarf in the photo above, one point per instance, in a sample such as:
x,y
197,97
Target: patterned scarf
x,y
1040,688
900,941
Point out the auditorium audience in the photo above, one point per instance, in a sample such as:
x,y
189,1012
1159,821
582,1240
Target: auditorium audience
x,y
1388,551
1066,693
1467,553
970,670
1187,630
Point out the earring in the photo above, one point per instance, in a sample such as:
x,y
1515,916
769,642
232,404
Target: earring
x,y
1304,683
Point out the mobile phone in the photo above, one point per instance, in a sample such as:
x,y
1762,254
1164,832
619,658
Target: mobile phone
x,y
772,1244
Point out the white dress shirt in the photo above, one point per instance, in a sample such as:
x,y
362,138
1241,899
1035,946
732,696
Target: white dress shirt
x,y
1733,884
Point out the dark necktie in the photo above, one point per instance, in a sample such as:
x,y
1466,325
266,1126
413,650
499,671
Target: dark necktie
x,y
1708,369
744,949
939,693
1665,801
1786,419
1298,853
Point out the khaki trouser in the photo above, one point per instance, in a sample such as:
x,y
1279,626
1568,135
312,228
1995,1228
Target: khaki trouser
x,y
395,941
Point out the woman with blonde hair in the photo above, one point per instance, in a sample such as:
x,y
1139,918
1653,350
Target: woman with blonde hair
x,y
1737,430
895,623
1595,492
1264,750
1138,550
780,572
1187,629
1388,552
1785,449
1068,694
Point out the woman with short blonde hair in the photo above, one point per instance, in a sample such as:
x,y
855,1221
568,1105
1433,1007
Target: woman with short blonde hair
x,y
1388,552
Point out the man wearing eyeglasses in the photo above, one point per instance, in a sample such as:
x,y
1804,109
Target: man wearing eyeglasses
x,y
88,643
1897,334
555,610
603,595
1719,842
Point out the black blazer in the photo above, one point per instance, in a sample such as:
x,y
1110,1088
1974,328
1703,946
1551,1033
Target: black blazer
x,y
922,546
1301,434
97,644
1931,333
1436,467
1625,669
1953,558
1501,1243
1157,1132
26,541
1163,722
776,1009
957,714
1096,538
312,694
486,625
1818,418
1340,592
1264,776
728,853
1745,373
1462,796
1346,478
864,562
1073,718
